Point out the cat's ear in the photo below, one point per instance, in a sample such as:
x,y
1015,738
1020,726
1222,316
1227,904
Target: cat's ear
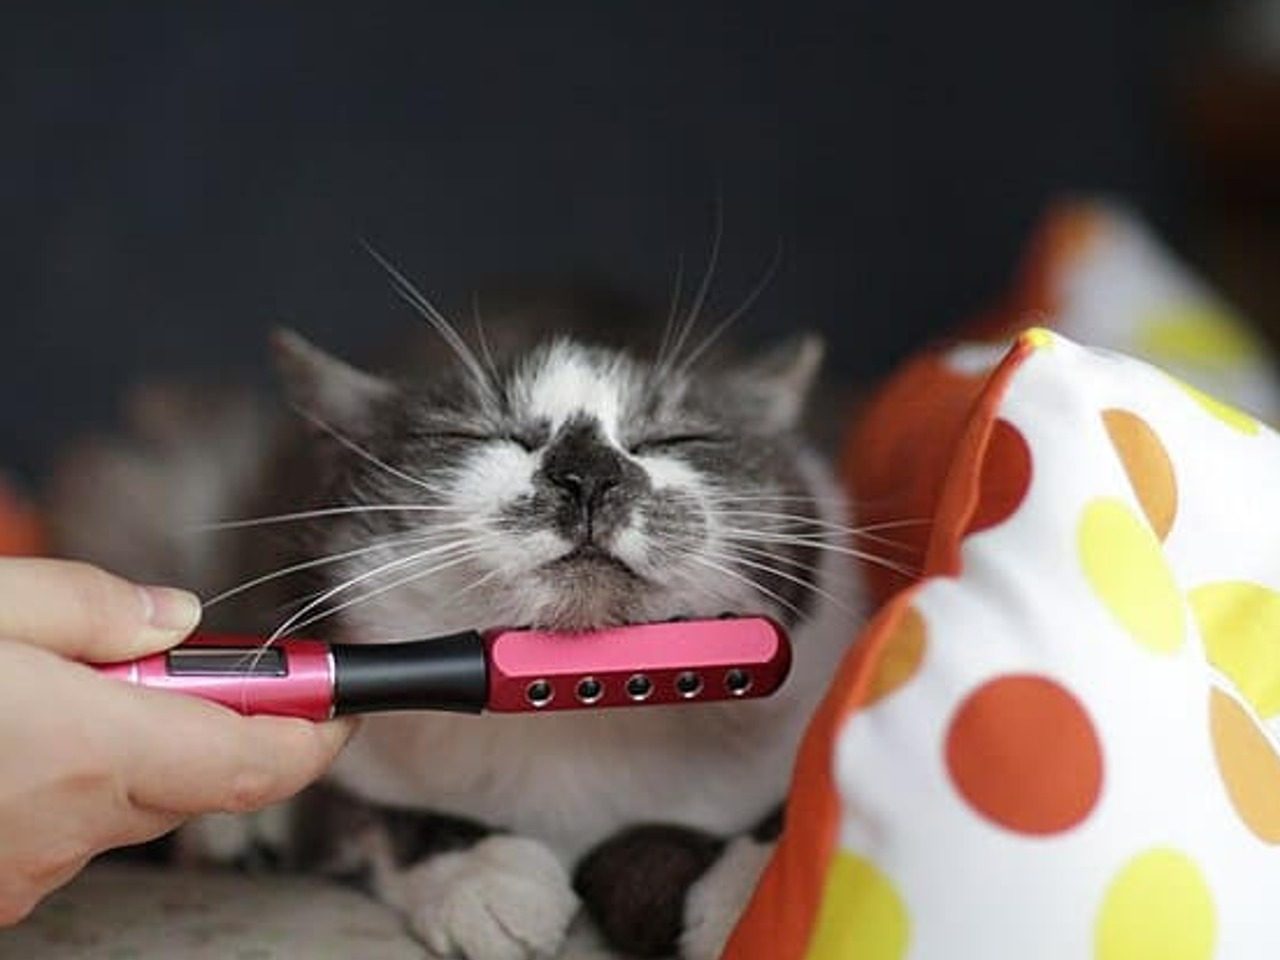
x,y
779,380
325,387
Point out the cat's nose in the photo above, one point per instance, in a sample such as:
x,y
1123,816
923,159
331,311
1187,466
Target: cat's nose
x,y
581,463
596,484
585,488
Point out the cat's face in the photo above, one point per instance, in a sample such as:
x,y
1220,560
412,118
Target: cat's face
x,y
570,488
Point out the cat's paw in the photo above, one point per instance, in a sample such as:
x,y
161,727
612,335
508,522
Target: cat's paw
x,y
247,841
506,898
716,901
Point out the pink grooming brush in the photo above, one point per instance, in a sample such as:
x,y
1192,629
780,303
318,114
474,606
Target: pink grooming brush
x,y
505,671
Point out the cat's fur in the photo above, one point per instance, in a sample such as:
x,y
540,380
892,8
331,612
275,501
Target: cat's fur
x,y
568,486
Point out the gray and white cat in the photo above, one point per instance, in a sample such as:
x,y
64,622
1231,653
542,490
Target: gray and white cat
x,y
551,482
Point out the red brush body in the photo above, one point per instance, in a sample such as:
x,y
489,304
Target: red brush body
x,y
509,671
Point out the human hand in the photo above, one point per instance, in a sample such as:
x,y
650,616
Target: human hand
x,y
88,763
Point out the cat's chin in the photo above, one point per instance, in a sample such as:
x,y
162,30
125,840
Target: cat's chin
x,y
590,589
570,614
589,562
591,595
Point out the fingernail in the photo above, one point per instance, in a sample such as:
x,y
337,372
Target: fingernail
x,y
171,610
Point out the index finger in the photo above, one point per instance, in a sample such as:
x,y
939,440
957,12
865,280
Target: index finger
x,y
84,613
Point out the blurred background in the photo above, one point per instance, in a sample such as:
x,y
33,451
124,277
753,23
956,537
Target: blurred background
x,y
177,178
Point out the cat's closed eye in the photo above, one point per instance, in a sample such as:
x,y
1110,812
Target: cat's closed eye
x,y
459,436
527,440
659,442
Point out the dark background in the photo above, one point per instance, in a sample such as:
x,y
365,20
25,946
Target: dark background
x,y
177,178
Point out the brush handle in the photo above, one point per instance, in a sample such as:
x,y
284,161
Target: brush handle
x,y
291,678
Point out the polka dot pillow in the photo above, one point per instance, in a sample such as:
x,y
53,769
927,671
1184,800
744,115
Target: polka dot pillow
x,y
1060,741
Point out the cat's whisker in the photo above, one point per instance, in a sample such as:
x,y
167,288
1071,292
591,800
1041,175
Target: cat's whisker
x,y
361,451
784,534
297,621
792,578
485,353
824,545
790,528
414,297
311,564
320,512
386,588
722,498
719,329
291,622
774,555
885,525
895,524
796,526
886,541
794,523
665,370
790,534
297,601
792,518
677,291
426,536
718,496
477,583
743,578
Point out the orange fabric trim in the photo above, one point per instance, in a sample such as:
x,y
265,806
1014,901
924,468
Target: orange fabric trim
x,y
779,922
914,421
963,485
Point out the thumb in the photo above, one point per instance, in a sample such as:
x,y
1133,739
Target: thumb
x,y
84,613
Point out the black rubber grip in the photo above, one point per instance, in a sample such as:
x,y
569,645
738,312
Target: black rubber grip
x,y
444,673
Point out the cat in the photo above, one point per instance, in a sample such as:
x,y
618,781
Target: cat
x,y
546,477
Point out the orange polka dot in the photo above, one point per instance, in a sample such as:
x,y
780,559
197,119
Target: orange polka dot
x,y
1248,765
1022,752
1006,477
899,658
1148,465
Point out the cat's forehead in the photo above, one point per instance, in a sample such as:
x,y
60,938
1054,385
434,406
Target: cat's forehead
x,y
565,380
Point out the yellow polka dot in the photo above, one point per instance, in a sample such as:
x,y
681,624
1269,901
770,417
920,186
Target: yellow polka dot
x,y
1233,418
1122,561
1158,907
1038,337
900,657
1197,333
1240,624
861,915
